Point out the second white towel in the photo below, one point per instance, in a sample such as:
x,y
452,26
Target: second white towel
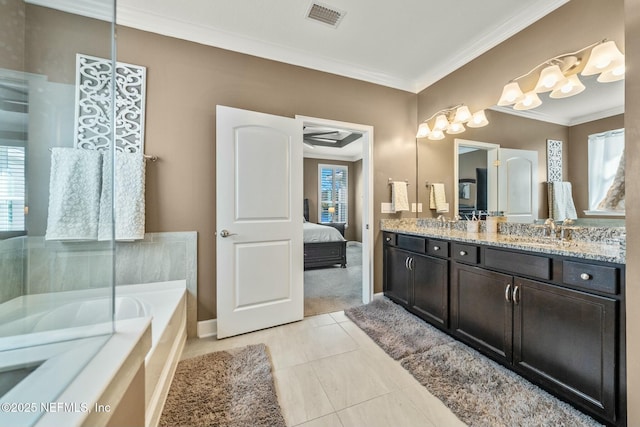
x,y
129,203
399,196
437,198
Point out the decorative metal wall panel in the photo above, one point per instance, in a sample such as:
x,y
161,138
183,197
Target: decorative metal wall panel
x,y
94,104
554,160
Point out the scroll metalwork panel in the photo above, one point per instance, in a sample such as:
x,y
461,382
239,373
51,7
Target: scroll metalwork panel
x,y
94,104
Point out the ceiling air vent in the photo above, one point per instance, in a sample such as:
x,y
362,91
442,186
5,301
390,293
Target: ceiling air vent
x,y
325,14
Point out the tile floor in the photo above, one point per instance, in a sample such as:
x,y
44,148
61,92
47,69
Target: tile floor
x,y
329,373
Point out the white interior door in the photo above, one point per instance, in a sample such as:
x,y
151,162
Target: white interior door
x,y
259,258
518,184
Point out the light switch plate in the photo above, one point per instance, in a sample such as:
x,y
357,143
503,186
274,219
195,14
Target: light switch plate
x,y
413,207
419,207
387,208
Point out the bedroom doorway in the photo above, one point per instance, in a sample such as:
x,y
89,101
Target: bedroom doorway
x,y
331,147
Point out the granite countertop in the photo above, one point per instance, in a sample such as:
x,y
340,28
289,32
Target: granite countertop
x,y
600,251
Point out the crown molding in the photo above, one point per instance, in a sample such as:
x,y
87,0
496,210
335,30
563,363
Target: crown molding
x,y
534,11
146,20
172,27
97,9
563,121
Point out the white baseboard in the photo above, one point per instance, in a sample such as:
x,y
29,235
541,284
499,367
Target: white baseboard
x,y
207,328
378,295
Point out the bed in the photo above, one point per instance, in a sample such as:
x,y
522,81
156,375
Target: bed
x,y
324,246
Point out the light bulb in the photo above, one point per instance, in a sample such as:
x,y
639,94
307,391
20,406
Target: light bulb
x,y
423,130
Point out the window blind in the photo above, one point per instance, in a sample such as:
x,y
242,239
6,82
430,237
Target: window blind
x,y
12,188
334,193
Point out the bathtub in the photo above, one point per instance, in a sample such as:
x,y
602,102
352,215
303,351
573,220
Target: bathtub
x,y
48,341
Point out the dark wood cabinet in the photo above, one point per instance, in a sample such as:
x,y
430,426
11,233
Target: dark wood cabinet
x,y
567,339
558,321
430,289
397,279
480,313
417,281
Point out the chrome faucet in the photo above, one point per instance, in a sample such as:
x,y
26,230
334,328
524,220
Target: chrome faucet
x,y
565,229
550,227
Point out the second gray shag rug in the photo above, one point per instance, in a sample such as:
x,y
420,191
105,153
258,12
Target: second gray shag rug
x,y
480,392
232,388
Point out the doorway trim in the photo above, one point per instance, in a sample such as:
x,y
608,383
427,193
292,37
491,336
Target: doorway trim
x,y
367,202
492,157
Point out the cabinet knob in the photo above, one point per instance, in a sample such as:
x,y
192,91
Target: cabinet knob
x,y
463,253
585,276
436,248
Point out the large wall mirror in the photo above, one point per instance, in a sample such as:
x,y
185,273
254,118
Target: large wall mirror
x,y
598,109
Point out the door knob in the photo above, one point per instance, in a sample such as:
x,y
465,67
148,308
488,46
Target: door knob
x,y
226,233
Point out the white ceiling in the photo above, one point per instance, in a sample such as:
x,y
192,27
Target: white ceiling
x,y
405,44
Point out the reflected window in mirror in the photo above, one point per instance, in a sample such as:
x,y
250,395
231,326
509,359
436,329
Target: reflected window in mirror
x,y
606,173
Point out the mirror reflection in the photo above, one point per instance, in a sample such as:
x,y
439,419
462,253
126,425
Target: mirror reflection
x,y
597,109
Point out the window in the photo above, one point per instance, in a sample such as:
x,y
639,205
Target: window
x,y
606,173
333,188
12,188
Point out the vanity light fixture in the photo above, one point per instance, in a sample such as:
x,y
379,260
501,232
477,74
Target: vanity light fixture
x,y
559,75
451,120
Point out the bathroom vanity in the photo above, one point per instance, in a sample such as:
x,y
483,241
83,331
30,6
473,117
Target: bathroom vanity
x,y
551,311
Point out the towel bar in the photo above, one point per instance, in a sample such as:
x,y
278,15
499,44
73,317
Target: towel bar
x,y
391,181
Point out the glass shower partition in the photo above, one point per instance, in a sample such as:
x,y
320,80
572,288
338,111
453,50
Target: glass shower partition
x,y
57,299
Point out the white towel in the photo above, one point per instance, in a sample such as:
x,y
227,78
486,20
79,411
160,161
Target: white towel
x,y
129,204
560,201
399,197
437,198
74,194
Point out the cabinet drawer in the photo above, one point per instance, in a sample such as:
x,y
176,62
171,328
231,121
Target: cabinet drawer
x,y
411,243
589,276
522,264
465,253
438,248
389,239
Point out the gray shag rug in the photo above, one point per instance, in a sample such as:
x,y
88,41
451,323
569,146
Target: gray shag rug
x,y
232,388
480,392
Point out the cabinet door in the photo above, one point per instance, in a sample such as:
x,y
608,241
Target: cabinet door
x,y
481,310
430,288
397,276
567,339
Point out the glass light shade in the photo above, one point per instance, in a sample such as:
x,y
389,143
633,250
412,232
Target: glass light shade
x,y
441,123
573,86
462,115
455,128
604,57
436,135
511,93
478,120
612,75
332,210
550,78
423,130
529,101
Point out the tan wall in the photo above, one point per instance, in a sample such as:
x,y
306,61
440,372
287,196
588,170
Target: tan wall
x,y
311,192
12,22
53,38
479,83
577,153
187,80
435,158
632,156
